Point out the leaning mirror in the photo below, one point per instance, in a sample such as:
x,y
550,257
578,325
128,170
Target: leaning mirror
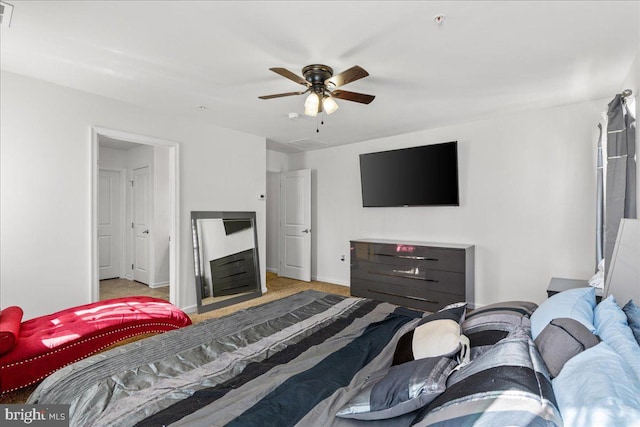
x,y
225,252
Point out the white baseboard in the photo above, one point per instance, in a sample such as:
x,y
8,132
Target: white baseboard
x,y
190,309
272,270
158,285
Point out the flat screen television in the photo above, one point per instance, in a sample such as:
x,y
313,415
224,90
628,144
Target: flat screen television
x,y
416,176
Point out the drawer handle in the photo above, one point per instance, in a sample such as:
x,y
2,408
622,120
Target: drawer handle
x,y
404,275
421,258
404,296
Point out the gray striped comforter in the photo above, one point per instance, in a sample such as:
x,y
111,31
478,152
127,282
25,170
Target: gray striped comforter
x,y
294,361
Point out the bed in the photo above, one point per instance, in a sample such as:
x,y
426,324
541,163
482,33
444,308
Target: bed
x,y
304,359
318,359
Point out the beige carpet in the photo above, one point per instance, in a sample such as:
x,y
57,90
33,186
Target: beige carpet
x,y
277,287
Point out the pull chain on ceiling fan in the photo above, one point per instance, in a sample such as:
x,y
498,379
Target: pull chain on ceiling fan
x,y
320,81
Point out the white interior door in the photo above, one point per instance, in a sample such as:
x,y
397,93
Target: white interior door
x,y
141,224
296,225
109,244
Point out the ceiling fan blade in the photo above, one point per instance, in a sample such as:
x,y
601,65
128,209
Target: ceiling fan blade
x,y
280,95
291,76
353,96
352,74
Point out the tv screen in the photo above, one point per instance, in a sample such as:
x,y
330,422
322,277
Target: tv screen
x,y
416,176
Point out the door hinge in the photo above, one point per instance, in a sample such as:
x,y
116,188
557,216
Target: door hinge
x,y
131,225
131,182
132,266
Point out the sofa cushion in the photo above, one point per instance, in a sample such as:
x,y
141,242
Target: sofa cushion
x,y
10,319
48,343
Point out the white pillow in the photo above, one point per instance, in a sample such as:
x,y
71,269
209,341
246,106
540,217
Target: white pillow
x,y
439,337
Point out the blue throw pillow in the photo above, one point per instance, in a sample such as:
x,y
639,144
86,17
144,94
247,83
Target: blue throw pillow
x,y
574,304
612,328
598,388
633,318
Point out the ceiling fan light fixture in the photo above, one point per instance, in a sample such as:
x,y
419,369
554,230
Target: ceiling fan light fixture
x,y
329,104
311,104
322,84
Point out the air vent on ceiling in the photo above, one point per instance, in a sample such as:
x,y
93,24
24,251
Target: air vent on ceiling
x,y
6,10
308,144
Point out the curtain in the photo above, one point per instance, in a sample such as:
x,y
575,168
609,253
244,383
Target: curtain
x,y
620,184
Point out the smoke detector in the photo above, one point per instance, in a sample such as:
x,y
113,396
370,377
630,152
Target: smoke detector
x,y
6,11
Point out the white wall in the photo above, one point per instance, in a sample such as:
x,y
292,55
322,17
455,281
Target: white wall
x,y
277,162
45,185
527,184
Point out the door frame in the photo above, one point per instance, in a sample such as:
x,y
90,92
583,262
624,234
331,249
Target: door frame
x,y
273,200
122,184
174,200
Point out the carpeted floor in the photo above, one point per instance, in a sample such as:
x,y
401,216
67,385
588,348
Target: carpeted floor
x,y
277,287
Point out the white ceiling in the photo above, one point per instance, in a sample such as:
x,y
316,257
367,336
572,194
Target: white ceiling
x,y
485,59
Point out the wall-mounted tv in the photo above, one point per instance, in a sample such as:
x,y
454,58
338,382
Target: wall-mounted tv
x,y
416,176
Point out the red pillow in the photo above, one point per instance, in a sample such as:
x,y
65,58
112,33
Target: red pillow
x,y
10,319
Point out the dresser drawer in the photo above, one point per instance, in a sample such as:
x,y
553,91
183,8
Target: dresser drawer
x,y
403,255
436,280
403,295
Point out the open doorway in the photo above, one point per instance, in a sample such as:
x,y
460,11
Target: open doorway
x,y
135,216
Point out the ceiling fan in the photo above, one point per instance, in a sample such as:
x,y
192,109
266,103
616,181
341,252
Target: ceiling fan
x,y
320,81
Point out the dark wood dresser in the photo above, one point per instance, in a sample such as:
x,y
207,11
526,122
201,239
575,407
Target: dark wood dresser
x,y
427,276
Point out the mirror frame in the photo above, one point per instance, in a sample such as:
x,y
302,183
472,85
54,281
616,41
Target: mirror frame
x,y
199,269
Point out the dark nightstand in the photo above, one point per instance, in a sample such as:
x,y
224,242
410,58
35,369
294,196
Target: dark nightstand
x,y
558,284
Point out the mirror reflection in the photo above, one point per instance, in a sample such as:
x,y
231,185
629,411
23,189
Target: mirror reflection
x,y
225,258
